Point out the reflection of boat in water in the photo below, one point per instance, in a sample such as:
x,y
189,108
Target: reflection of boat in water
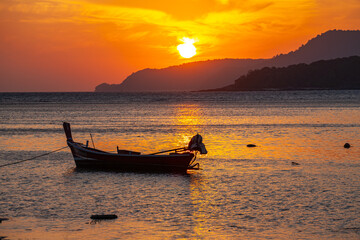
x,y
178,160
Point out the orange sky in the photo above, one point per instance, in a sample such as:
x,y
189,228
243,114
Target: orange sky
x,y
74,45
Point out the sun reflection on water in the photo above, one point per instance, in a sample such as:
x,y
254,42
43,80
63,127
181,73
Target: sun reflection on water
x,y
187,121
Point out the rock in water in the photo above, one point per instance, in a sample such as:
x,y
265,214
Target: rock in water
x,y
103,216
251,145
346,145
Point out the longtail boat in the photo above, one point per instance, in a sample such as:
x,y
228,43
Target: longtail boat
x,y
176,160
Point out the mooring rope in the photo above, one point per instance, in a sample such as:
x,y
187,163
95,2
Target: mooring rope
x,y
33,157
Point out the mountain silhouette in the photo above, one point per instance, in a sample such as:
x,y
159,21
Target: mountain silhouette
x,y
329,45
213,74
340,73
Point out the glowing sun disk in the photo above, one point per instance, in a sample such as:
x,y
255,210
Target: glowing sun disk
x,y
187,48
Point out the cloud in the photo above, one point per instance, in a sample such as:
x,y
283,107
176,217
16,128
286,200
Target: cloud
x,y
128,17
217,24
159,25
223,1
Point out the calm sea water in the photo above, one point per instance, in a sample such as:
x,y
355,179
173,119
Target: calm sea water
x,y
240,193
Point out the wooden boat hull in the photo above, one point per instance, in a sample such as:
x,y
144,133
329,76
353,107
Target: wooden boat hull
x,y
86,157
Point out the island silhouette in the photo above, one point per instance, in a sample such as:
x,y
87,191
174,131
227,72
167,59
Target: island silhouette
x,y
340,73
215,74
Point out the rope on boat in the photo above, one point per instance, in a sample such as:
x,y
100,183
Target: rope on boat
x,y
33,157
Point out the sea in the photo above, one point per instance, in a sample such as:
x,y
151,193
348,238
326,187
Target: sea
x,y
299,182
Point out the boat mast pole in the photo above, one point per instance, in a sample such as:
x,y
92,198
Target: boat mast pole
x,y
92,140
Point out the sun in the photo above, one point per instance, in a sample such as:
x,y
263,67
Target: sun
x,y
187,48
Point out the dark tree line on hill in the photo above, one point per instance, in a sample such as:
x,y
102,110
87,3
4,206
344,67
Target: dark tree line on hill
x,y
340,73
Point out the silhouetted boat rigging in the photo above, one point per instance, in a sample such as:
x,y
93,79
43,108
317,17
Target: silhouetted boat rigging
x,y
178,160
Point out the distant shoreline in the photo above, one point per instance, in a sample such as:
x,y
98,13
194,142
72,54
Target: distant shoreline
x,y
280,90
198,91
